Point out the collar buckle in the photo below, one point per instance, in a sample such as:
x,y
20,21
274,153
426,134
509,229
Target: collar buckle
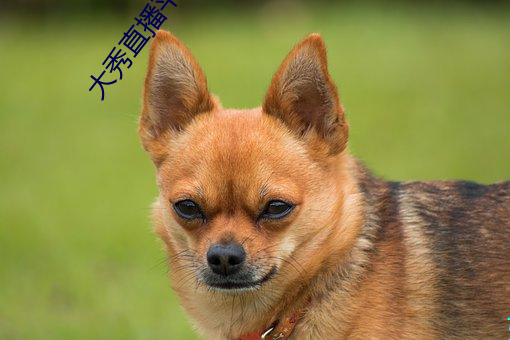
x,y
266,333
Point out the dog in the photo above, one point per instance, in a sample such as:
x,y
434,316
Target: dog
x,y
273,230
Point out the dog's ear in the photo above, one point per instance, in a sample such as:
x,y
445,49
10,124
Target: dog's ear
x,y
305,98
175,89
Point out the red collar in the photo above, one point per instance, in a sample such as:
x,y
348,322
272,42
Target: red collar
x,y
279,330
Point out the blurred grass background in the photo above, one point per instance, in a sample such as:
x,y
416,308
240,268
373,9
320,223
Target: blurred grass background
x,y
427,91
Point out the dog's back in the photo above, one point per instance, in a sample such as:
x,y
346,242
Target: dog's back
x,y
447,243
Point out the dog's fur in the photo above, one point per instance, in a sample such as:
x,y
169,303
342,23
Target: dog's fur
x,y
360,257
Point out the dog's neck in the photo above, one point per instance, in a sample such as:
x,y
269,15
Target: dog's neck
x,y
280,329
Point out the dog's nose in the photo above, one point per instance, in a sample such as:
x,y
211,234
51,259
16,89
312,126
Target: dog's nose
x,y
226,259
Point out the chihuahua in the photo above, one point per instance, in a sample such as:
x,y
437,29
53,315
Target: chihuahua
x,y
273,230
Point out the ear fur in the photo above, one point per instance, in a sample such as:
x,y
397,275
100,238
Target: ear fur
x,y
175,89
305,98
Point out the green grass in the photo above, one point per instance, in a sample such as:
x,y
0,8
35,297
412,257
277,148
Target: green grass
x,y
427,96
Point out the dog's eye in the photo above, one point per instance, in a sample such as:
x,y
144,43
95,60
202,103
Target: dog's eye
x,y
276,209
188,210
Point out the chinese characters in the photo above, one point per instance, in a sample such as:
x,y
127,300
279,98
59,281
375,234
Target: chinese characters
x,y
134,40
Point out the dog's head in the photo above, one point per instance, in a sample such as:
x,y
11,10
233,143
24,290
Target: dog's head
x,y
246,196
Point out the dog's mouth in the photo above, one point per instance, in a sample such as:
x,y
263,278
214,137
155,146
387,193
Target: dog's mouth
x,y
236,284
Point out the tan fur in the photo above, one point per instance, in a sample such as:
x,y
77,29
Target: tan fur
x,y
354,255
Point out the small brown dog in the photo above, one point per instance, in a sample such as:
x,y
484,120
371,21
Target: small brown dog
x,y
273,229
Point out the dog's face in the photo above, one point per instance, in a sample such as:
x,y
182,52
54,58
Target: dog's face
x,y
246,196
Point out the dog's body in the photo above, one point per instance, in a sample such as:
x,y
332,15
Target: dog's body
x,y
267,219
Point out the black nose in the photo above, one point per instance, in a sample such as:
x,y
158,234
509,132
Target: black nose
x,y
226,259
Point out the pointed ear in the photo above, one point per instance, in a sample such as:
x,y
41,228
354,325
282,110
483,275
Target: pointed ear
x,y
305,98
175,89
